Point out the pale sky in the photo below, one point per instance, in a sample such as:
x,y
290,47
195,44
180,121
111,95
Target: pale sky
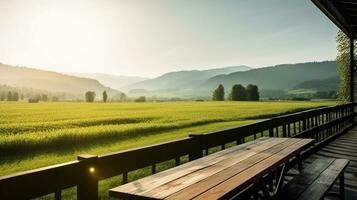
x,y
151,37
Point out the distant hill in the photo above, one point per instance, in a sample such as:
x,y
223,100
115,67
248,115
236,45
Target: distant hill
x,y
328,84
183,79
279,77
113,81
49,81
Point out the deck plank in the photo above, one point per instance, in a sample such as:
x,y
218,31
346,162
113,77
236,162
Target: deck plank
x,y
345,147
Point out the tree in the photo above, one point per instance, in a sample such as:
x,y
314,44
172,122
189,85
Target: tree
x,y
90,96
44,97
343,62
238,93
218,94
105,96
15,96
55,99
9,96
252,93
122,97
2,97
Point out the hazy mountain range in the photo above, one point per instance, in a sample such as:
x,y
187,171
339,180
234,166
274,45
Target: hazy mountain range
x,y
116,82
279,77
327,84
184,79
318,76
49,81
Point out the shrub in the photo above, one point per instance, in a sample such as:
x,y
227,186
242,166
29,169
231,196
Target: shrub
x,y
90,96
140,99
34,100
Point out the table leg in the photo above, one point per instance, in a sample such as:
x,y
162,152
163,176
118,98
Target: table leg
x,y
281,179
264,188
342,186
299,162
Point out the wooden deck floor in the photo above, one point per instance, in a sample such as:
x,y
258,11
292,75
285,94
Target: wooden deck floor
x,y
344,147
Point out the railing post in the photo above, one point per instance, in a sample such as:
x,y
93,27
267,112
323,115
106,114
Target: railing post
x,y
271,132
195,155
199,153
87,189
284,130
304,126
352,71
352,111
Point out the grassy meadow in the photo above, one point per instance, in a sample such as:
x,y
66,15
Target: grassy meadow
x,y
37,135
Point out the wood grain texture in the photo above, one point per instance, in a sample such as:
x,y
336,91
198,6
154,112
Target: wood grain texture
x,y
235,184
194,178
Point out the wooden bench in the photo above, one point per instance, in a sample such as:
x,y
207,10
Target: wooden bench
x,y
315,181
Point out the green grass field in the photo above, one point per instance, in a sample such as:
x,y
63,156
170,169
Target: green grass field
x,y
56,132
37,135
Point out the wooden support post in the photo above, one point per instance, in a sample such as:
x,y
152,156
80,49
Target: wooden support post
x,y
284,130
87,189
125,178
271,132
177,161
197,153
153,169
58,195
304,125
352,66
289,130
342,186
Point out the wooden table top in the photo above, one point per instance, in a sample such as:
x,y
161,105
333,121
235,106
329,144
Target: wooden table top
x,y
217,175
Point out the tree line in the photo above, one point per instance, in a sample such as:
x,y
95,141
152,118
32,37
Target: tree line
x,y
238,93
10,93
90,96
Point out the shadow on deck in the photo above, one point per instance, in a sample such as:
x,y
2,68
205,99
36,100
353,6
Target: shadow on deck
x,y
344,147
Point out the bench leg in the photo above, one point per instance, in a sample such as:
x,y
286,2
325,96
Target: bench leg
x,y
299,162
264,188
342,186
280,182
271,181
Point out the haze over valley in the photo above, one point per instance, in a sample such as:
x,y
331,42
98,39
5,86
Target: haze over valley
x,y
273,81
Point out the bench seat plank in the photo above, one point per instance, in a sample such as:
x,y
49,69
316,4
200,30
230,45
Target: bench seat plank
x,y
325,181
315,180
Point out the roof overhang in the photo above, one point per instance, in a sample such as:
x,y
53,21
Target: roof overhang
x,y
342,12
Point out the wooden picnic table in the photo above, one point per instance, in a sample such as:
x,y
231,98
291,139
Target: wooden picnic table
x,y
220,175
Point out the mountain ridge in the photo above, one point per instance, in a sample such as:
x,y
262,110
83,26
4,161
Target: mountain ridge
x,y
20,76
114,81
183,79
283,76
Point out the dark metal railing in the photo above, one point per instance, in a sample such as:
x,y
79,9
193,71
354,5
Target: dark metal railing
x,y
322,124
